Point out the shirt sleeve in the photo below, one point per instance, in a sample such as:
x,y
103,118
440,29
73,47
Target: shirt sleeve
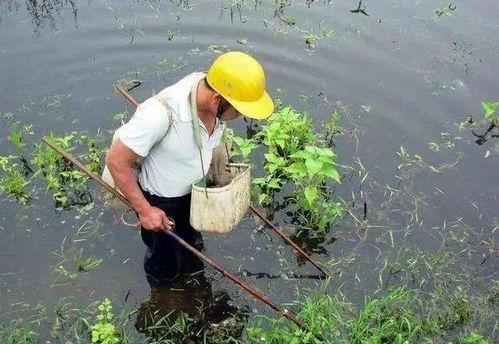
x,y
147,126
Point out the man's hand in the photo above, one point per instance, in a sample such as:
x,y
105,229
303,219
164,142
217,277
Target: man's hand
x,y
155,219
119,160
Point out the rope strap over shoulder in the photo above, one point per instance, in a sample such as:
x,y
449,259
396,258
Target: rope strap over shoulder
x,y
195,127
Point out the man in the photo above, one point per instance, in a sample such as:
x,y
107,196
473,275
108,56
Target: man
x,y
161,133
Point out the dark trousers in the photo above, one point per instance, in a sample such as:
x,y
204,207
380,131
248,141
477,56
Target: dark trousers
x,y
165,259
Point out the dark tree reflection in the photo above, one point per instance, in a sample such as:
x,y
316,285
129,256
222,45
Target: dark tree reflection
x,y
42,12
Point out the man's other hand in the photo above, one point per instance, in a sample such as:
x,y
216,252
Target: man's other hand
x,y
155,219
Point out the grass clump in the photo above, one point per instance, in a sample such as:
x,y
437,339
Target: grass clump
x,y
473,338
17,333
390,319
402,316
13,181
16,139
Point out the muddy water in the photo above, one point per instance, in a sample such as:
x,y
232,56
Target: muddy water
x,y
402,74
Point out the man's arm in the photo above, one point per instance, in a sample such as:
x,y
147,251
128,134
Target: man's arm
x,y
119,161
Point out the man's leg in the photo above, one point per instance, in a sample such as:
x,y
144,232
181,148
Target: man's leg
x,y
165,259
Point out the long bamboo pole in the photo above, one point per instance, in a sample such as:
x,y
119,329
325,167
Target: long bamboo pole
x,y
287,313
288,240
279,232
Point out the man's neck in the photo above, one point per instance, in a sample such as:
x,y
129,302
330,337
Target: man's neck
x,y
204,113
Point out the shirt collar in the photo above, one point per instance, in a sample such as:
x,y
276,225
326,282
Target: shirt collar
x,y
184,104
177,96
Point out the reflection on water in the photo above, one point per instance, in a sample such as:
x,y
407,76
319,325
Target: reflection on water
x,y
46,10
42,12
188,310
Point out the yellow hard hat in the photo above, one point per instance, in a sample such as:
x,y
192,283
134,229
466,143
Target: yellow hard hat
x,y
240,79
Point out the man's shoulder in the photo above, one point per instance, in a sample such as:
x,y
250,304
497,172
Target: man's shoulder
x,y
156,106
181,88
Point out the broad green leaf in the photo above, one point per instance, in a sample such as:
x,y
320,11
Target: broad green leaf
x,y
274,183
331,172
313,166
262,198
280,142
490,107
300,154
259,181
297,169
311,149
310,195
326,152
270,157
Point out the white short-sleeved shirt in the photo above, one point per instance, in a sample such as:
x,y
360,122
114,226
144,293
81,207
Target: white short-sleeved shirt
x,y
161,132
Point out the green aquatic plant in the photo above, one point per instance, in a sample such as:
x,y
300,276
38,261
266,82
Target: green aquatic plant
x,y
327,317
400,316
311,38
473,338
63,273
12,181
293,154
17,333
90,263
104,331
311,170
332,128
57,173
313,163
17,140
93,156
290,21
285,133
68,185
445,10
332,319
170,34
241,147
490,120
390,319
491,114
120,117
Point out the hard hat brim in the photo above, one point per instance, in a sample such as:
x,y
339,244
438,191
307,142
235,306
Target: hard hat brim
x,y
258,109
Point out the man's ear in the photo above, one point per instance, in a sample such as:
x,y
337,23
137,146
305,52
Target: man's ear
x,y
216,98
